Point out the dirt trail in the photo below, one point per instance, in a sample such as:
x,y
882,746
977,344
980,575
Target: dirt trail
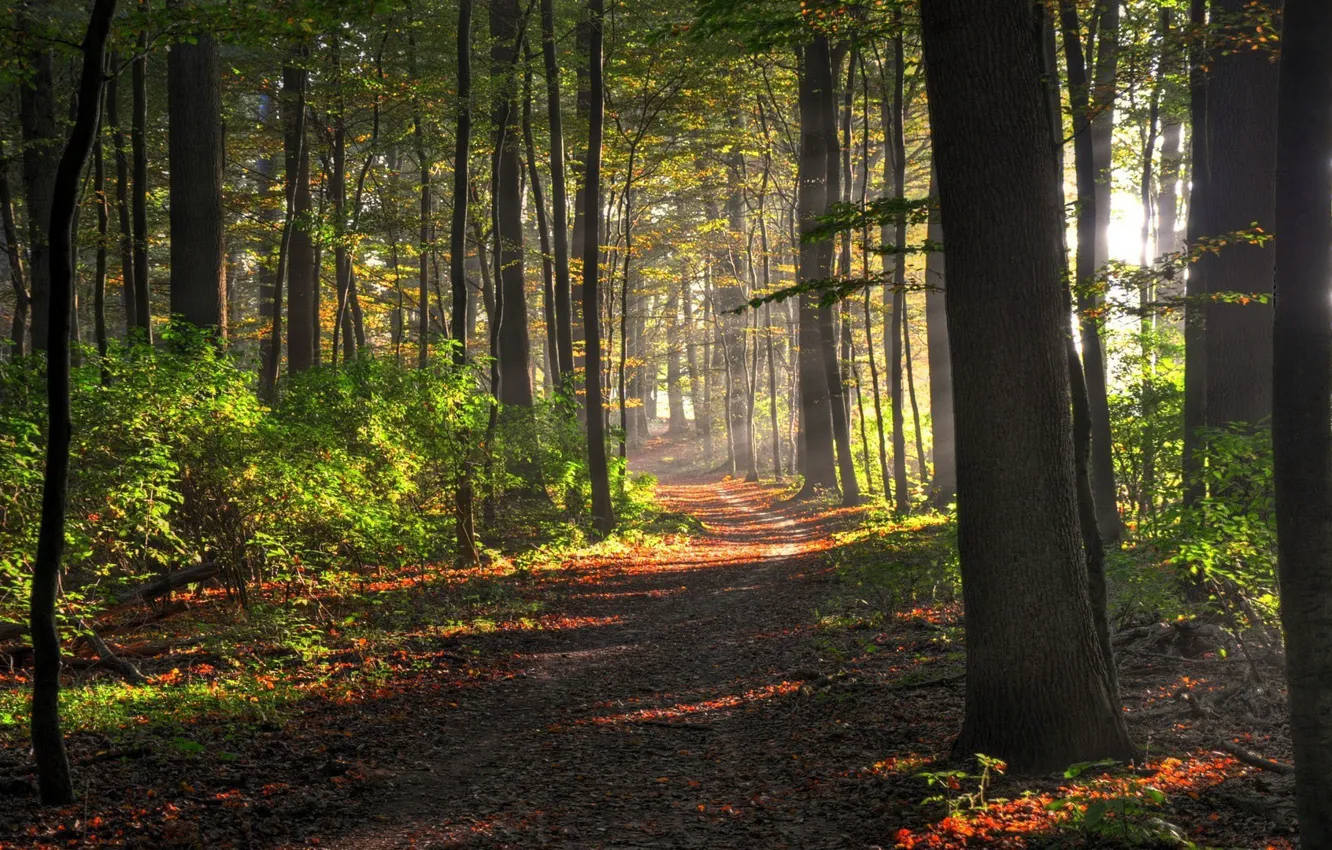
x,y
669,713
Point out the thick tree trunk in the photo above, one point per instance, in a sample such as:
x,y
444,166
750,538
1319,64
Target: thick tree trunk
x,y
198,248
1167,200
514,347
37,120
303,282
602,511
815,263
1302,401
1036,680
1241,142
48,745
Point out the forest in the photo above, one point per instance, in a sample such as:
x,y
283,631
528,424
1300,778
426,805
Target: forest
x,y
650,424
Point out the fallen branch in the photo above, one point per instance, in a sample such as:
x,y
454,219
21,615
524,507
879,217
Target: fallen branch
x,y
171,581
110,660
1255,760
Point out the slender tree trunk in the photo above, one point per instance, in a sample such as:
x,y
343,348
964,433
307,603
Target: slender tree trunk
x,y
302,274
18,334
911,392
198,244
674,392
37,118
559,194
1302,401
548,299
602,511
295,111
48,746
943,487
1195,314
129,287
1036,692
99,274
1086,134
424,165
139,155
895,298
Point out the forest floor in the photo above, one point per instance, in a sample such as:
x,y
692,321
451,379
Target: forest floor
x,y
708,690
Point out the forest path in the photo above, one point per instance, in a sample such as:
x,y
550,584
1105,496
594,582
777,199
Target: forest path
x,y
668,712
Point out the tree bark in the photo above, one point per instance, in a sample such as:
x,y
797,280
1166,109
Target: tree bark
x,y
558,193
514,347
1089,129
129,286
18,333
1195,312
1241,141
815,263
139,154
195,149
295,111
602,512
40,159
943,487
1302,400
48,745
1036,681
302,277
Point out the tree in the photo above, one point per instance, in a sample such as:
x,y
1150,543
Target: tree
x,y
1037,692
602,511
130,286
198,241
139,202
302,283
1091,140
559,193
815,263
48,745
944,486
1302,400
514,347
1240,139
38,125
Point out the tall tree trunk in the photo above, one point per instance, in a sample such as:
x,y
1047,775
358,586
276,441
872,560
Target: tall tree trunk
x,y
294,103
674,392
48,745
558,193
1087,132
195,149
895,298
815,263
37,120
1036,693
548,297
129,287
18,333
1195,314
1241,141
424,165
139,155
99,273
1167,199
513,345
302,275
1302,401
944,485
602,511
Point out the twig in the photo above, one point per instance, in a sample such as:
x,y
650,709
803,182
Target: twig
x,y
1254,760
112,661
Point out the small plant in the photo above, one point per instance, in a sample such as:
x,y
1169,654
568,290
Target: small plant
x,y
951,780
1122,808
